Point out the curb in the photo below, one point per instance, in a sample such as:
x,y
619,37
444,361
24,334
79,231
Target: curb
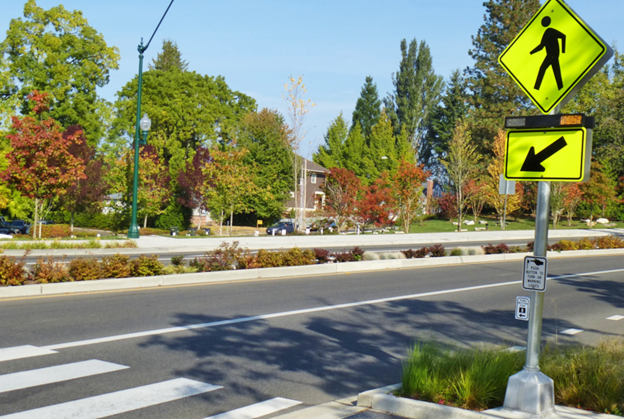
x,y
379,400
284,272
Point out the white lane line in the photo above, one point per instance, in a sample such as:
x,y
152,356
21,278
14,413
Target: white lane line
x,y
25,351
571,331
257,410
56,374
267,316
297,312
616,317
119,402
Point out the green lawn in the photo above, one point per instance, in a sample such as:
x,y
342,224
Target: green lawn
x,y
513,223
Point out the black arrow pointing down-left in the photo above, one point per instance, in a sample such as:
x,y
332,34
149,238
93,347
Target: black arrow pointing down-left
x,y
533,162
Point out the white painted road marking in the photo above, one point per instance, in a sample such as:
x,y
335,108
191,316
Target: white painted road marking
x,y
616,317
258,409
119,402
26,351
571,331
296,312
56,374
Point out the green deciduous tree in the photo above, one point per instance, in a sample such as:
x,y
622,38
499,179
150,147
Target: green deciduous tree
x,y
367,108
169,58
416,91
461,164
494,94
56,51
186,109
265,135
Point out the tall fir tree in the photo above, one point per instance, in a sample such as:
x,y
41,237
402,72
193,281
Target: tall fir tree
x,y
367,108
442,123
169,58
355,151
330,154
417,90
494,93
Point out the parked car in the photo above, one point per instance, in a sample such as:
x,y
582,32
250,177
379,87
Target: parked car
x,y
282,225
325,225
18,227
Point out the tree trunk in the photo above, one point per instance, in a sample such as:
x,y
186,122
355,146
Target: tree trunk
x,y
145,221
36,218
221,224
231,218
71,227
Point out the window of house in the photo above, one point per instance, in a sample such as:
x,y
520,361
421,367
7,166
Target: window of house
x,y
313,178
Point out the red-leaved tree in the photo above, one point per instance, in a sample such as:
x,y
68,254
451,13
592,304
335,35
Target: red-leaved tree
x,y
88,192
341,192
192,179
408,189
40,163
377,203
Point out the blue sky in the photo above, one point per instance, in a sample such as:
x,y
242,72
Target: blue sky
x,y
257,44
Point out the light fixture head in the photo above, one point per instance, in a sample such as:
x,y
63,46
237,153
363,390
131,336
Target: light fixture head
x,y
145,123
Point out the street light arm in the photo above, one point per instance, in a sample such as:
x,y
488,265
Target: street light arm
x,y
158,26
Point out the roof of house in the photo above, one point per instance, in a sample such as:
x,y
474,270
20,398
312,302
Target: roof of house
x,y
313,167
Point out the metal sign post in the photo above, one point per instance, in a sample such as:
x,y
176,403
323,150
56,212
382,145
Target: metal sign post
x,y
531,390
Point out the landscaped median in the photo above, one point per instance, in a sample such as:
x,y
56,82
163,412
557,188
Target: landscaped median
x,y
55,277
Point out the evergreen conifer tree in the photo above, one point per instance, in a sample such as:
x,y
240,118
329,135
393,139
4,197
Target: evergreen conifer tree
x,y
442,123
169,58
367,108
355,151
494,93
331,153
416,91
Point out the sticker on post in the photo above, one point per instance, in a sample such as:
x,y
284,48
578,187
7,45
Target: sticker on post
x,y
534,273
522,308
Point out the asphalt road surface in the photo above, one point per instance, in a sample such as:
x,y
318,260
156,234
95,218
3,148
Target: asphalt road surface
x,y
198,351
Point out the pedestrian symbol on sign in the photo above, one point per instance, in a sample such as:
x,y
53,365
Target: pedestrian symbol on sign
x,y
550,41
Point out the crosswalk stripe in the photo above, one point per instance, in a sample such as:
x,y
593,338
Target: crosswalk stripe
x,y
25,351
257,410
119,402
56,374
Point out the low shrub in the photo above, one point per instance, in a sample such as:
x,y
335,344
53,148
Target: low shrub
x,y
391,255
116,266
297,257
12,272
321,255
226,257
609,242
564,245
344,257
147,266
128,244
437,250
85,269
456,252
420,253
54,231
357,252
177,260
48,271
148,231
586,244
269,259
491,249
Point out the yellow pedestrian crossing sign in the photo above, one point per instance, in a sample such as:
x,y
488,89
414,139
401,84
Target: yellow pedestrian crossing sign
x,y
558,154
554,55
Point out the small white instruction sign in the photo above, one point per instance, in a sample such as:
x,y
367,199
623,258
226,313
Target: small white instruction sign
x,y
534,273
522,308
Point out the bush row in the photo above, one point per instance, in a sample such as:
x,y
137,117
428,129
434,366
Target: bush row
x,y
231,256
47,270
91,244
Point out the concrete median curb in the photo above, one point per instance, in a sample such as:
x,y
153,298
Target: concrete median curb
x,y
267,273
380,400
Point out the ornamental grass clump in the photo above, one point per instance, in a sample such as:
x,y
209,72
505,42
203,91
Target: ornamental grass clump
x,y
473,379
